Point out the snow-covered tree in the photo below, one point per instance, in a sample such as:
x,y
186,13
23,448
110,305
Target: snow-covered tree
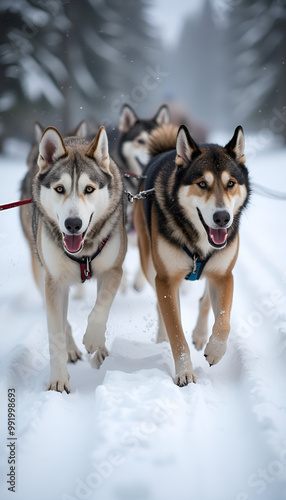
x,y
197,67
256,44
64,61
229,65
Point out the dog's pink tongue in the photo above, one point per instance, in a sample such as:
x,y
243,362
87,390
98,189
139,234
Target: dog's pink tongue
x,y
73,242
218,235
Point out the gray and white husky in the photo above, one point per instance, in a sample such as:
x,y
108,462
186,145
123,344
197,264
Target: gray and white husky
x,y
76,231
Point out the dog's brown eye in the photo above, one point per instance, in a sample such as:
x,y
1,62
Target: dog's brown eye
x,y
89,189
230,184
202,184
60,189
141,141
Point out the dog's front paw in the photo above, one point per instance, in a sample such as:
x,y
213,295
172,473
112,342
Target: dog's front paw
x,y
99,357
91,342
185,378
184,371
74,355
59,386
215,349
199,339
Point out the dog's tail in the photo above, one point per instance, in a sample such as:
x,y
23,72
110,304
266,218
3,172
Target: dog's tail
x,y
162,139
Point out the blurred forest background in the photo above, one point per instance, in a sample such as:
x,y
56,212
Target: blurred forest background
x,y
64,61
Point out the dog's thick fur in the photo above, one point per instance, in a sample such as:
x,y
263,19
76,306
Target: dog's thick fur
x,y
77,193
26,212
200,192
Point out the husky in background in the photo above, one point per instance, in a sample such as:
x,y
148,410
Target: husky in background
x,y
188,228
76,231
131,155
131,151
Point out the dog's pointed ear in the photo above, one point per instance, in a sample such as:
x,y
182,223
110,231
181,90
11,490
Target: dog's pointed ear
x,y
236,145
81,130
186,147
127,118
38,131
51,148
98,150
162,116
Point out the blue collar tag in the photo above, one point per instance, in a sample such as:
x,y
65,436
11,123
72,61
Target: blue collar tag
x,y
195,273
198,265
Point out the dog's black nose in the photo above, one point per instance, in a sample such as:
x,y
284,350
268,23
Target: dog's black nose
x,y
73,224
221,218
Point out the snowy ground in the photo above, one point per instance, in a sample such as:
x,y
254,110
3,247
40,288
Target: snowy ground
x,y
126,432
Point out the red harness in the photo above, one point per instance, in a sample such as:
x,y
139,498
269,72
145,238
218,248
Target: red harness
x,y
85,262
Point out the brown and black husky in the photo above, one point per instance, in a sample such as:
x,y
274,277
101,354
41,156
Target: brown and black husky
x,y
188,228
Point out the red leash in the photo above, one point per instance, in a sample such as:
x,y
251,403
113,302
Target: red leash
x,y
16,204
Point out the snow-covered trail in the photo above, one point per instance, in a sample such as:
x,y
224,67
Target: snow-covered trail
x,y
126,432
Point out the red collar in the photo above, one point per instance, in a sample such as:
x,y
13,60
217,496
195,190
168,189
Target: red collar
x,y
85,262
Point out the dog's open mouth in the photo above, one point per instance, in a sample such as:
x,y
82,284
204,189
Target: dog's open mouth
x,y
216,236
73,242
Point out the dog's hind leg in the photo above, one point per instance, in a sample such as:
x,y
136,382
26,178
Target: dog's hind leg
x,y
78,292
200,332
139,281
73,352
99,357
221,292
147,265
